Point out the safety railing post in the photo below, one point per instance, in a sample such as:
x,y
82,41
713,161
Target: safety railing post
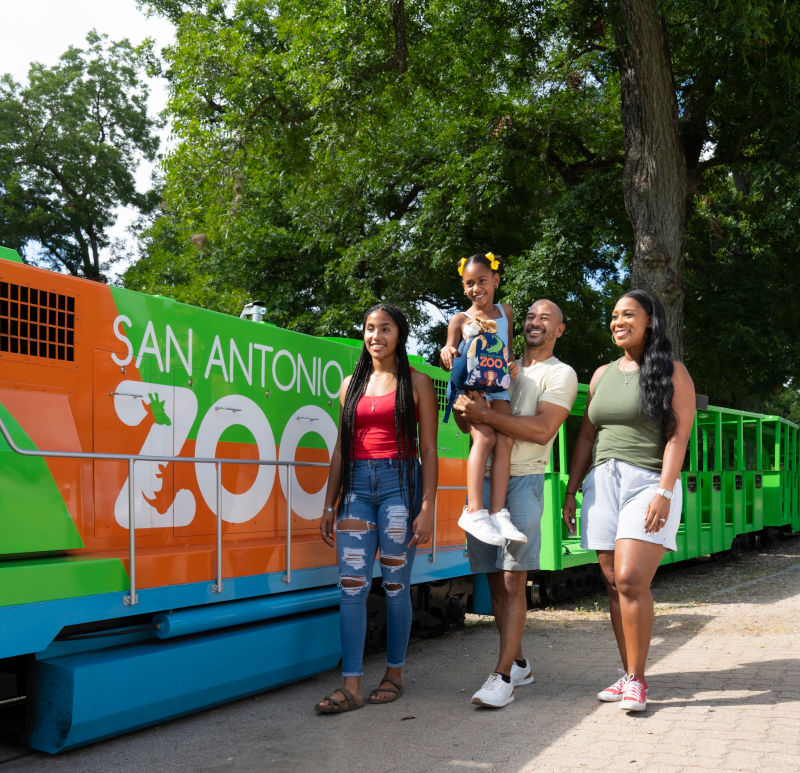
x,y
287,577
131,598
432,554
217,586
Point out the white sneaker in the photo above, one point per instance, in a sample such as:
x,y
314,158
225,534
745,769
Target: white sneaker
x,y
480,525
521,675
502,521
495,693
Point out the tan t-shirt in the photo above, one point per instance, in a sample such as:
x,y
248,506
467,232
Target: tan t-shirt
x,y
551,381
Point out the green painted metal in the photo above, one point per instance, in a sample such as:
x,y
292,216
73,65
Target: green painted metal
x,y
33,516
45,579
164,332
781,494
9,254
560,550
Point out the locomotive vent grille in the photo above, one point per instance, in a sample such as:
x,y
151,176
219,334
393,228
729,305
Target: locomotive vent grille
x,y
37,323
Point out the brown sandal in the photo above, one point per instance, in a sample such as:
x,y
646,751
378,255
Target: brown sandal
x,y
336,706
394,692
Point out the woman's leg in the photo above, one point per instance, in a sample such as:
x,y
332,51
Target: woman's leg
x,y
606,560
483,440
501,461
356,545
396,560
635,564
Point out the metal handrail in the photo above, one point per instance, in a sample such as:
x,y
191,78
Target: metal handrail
x,y
216,587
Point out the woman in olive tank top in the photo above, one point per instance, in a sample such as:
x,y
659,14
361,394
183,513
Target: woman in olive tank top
x,y
632,443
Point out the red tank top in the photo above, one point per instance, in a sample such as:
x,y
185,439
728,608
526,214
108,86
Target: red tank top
x,y
374,433
374,436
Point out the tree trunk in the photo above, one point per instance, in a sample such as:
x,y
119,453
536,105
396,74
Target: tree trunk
x,y
655,180
400,44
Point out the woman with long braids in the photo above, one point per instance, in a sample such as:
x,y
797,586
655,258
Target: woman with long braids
x,y
381,493
638,417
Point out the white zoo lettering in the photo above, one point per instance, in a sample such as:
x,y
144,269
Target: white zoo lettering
x,y
227,412
174,410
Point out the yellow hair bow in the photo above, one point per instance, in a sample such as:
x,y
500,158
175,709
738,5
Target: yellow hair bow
x,y
461,264
494,263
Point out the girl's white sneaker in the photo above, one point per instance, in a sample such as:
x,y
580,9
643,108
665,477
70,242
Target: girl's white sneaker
x,y
502,521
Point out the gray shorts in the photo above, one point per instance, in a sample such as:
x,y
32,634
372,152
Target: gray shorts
x,y
615,499
525,502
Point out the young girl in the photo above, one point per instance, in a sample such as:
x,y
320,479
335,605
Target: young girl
x,y
480,280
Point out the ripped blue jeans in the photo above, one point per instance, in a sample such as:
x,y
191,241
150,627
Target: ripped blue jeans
x,y
373,516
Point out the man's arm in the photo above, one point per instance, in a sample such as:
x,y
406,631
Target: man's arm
x,y
538,428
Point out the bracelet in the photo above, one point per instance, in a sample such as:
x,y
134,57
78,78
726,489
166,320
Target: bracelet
x,y
329,509
570,493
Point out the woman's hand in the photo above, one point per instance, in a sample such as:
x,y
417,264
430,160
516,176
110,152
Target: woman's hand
x,y
423,527
568,512
326,526
656,515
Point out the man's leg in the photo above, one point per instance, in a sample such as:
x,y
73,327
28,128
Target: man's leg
x,y
510,607
525,501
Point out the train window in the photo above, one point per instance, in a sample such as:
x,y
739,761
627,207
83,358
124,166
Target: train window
x,y
37,323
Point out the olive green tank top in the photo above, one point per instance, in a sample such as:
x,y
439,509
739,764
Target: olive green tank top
x,y
622,433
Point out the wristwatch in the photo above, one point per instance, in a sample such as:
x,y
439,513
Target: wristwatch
x,y
665,492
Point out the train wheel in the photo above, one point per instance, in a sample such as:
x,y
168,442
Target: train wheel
x,y
536,595
455,612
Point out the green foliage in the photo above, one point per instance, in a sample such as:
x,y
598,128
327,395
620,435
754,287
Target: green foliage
x,y
742,315
70,140
337,160
328,157
786,403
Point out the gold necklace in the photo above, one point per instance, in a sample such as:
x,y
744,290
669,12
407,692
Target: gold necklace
x,y
372,398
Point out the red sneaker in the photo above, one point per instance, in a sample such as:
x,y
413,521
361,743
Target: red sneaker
x,y
614,693
635,696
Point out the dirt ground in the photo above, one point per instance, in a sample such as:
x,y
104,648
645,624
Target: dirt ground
x,y
711,583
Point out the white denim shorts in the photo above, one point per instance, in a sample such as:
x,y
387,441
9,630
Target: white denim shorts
x,y
615,499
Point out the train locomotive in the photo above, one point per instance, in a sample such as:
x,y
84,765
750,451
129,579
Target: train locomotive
x,y
163,473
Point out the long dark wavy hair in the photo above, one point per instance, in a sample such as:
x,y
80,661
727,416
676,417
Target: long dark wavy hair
x,y
655,366
405,419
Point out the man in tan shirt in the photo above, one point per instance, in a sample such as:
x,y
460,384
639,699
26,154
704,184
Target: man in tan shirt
x,y
542,396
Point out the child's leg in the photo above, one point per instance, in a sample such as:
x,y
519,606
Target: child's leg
x,y
483,440
501,461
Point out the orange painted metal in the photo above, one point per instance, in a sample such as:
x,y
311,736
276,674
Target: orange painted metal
x,y
69,406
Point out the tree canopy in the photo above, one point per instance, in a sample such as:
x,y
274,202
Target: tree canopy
x,y
70,141
331,154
